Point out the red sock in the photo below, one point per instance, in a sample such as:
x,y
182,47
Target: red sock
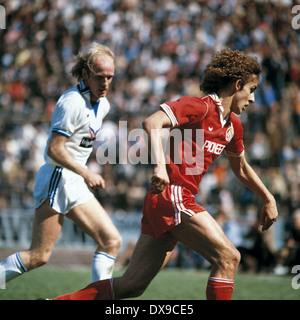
x,y
219,289
99,290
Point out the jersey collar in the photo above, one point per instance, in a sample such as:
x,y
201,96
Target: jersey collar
x,y
218,103
85,91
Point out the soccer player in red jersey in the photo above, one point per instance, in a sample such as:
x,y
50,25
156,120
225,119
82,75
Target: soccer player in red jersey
x,y
170,213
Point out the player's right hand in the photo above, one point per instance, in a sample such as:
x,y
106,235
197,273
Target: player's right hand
x,y
269,215
94,181
159,180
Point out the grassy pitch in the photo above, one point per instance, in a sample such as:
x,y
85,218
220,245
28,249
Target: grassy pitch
x,y
170,284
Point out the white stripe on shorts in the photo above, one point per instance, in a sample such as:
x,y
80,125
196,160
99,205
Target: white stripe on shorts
x,y
183,208
177,202
173,199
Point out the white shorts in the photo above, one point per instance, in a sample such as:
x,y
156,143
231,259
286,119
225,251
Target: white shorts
x,y
64,188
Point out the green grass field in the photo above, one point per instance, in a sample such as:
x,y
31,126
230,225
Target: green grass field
x,y
170,284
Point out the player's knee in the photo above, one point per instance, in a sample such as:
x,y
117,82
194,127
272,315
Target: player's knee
x,y
236,258
230,260
111,244
233,259
115,242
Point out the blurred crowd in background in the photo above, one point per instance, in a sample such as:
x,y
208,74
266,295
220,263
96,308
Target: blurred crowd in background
x,y
161,48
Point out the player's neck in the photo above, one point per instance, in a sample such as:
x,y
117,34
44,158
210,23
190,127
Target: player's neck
x,y
226,97
226,103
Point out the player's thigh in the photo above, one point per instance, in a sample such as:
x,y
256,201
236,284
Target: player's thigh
x,y
94,221
47,225
149,257
204,235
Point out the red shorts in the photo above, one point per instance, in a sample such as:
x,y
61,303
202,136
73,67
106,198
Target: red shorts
x,y
162,211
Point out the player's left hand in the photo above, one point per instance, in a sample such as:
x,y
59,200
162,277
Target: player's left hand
x,y
269,214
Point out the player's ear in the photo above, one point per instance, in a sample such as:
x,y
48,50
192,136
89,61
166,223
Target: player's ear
x,y
84,74
238,85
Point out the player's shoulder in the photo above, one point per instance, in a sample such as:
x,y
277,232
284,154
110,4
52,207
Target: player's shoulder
x,y
235,120
192,102
72,94
71,97
191,99
212,100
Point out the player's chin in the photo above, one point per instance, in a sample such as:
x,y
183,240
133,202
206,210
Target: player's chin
x,y
102,94
240,110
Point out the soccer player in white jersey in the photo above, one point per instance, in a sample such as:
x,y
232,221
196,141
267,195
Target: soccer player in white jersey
x,y
64,184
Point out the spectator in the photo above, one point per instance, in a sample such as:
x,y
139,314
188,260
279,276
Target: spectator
x,y
289,256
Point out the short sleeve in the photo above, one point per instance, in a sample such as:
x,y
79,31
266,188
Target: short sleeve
x,y
235,148
65,117
185,110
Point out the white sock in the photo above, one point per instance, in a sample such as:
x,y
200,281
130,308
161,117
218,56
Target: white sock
x,y
12,266
102,266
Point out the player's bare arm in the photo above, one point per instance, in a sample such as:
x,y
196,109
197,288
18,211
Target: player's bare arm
x,y
153,126
57,151
248,177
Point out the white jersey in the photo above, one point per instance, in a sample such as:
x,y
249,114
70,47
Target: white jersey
x,y
75,118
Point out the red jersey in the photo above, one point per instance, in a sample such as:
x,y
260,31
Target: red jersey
x,y
192,155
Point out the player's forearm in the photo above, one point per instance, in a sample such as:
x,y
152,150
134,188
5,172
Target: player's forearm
x,y
153,126
156,148
249,178
63,158
253,182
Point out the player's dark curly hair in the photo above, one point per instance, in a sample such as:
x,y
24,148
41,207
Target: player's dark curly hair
x,y
226,67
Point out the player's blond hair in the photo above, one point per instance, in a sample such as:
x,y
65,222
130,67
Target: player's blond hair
x,y
226,67
85,58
